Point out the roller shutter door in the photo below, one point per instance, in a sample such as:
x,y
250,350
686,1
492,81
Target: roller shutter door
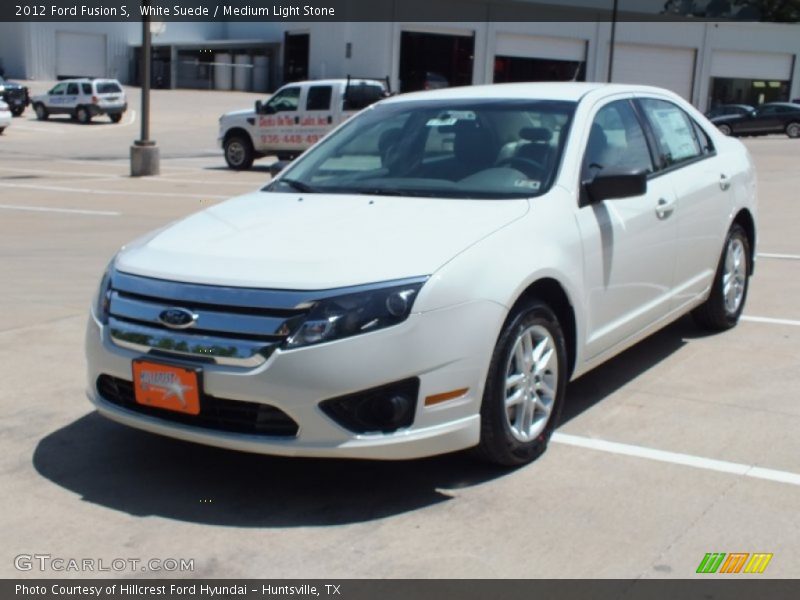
x,y
751,65
529,46
80,54
662,66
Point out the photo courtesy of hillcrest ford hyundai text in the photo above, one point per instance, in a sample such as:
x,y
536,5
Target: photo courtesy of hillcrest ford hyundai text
x,y
430,276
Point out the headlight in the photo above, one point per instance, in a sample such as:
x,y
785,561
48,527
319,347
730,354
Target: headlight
x,y
352,314
102,300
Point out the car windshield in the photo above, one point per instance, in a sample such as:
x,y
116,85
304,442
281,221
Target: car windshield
x,y
450,148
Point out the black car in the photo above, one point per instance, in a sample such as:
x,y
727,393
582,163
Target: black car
x,y
15,95
723,110
773,117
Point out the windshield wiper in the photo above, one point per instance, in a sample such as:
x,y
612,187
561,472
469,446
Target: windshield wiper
x,y
299,186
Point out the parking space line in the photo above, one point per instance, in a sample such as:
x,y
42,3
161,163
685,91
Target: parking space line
x,y
55,188
779,256
688,460
79,211
771,321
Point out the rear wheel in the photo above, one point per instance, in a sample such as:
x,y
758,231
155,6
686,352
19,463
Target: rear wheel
x,y
239,152
524,388
83,115
729,291
725,129
115,117
2,129
793,129
41,111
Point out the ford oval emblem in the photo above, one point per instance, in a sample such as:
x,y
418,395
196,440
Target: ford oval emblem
x,y
177,318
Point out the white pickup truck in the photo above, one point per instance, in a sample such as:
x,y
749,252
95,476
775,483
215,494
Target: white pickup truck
x,y
294,118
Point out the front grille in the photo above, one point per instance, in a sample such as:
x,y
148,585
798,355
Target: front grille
x,y
15,93
218,414
228,326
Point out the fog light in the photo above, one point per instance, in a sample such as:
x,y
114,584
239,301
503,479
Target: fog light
x,y
383,409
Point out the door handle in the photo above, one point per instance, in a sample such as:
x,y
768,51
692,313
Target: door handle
x,y
724,182
664,208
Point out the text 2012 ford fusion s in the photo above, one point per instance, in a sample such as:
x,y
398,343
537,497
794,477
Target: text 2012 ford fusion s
x,y
429,276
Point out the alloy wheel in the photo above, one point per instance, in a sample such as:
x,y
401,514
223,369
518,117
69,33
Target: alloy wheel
x,y
531,383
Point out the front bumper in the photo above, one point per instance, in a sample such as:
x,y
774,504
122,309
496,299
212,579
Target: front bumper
x,y
446,349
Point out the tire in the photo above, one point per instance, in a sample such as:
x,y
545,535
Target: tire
x,y
2,129
83,115
723,307
508,436
115,117
239,152
41,111
725,129
285,156
17,111
793,129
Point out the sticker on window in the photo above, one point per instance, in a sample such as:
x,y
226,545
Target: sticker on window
x,y
531,184
451,117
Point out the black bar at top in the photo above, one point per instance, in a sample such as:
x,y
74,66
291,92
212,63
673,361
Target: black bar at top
x,y
32,11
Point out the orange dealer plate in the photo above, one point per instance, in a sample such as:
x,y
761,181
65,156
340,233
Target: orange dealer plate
x,y
166,386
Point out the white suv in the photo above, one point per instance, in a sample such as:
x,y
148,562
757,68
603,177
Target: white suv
x,y
429,276
83,99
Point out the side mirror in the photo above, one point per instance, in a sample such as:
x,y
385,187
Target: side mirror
x,y
608,186
259,107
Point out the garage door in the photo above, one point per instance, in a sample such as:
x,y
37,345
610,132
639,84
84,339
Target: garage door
x,y
667,67
751,65
529,46
80,54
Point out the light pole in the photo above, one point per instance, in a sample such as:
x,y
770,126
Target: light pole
x,y
144,152
613,39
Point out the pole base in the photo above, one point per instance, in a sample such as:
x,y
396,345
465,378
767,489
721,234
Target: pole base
x,y
144,160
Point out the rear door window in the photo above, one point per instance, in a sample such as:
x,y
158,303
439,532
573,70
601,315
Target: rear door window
x,y
319,97
674,131
72,89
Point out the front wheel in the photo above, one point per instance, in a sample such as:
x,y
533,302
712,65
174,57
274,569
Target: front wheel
x,y
17,111
725,129
793,130
115,117
729,291
524,388
239,152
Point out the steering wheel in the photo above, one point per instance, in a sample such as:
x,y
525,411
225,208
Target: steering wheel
x,y
522,165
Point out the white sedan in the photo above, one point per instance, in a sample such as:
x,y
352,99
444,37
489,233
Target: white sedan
x,y
5,116
430,275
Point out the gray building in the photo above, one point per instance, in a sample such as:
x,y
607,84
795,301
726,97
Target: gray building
x,y
705,62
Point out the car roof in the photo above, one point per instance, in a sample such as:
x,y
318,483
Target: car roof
x,y
352,80
789,104
88,80
568,91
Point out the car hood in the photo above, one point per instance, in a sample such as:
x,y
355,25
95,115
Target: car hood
x,y
316,241
8,85
727,118
234,114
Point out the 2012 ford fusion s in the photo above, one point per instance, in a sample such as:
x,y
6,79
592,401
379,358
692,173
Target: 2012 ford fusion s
x,y
429,276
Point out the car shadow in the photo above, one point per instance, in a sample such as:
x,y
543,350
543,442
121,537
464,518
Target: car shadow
x,y
148,475
259,168
143,474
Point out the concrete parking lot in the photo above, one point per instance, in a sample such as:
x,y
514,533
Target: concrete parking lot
x,y
686,444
